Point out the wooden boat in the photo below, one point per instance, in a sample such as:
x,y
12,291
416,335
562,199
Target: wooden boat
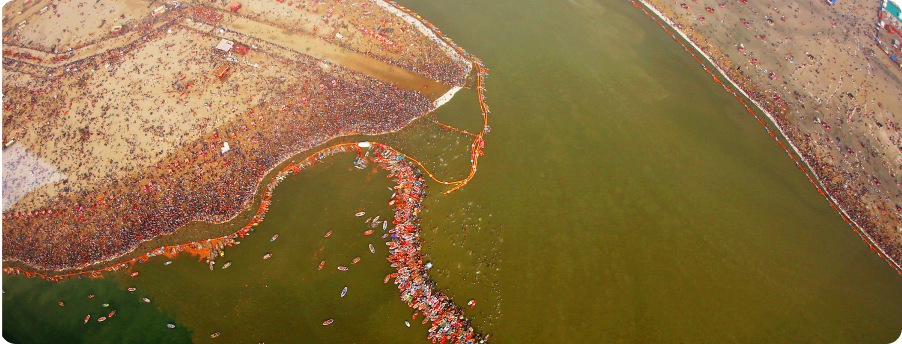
x,y
227,264
344,291
368,220
105,305
357,259
131,289
387,277
62,304
472,303
342,268
274,237
360,214
368,232
145,300
91,296
170,325
328,234
167,262
267,256
321,265
385,225
134,274
214,335
112,314
372,249
87,318
376,220
101,319
328,322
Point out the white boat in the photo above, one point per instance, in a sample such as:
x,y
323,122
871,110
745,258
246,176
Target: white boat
x,y
360,214
344,291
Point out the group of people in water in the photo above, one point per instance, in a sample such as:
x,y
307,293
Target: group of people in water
x,y
417,289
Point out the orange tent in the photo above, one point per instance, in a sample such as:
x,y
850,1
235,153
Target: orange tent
x,y
235,6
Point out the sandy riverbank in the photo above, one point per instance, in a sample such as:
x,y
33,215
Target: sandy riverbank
x,y
155,163
817,76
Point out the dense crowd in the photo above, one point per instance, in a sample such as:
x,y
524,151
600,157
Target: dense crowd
x,y
417,289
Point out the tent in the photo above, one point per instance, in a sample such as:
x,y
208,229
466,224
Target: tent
x,y
235,6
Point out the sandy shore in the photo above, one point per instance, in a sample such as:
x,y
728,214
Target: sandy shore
x,y
818,77
152,157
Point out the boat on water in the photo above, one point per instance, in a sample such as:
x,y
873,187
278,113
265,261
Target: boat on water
x,y
368,220
112,314
321,264
360,214
368,232
145,300
267,256
406,323
328,234
471,303
328,322
87,318
376,221
62,304
227,264
357,259
385,225
274,237
170,325
214,335
372,249
101,319
131,289
167,262
342,268
105,305
344,291
91,296
134,274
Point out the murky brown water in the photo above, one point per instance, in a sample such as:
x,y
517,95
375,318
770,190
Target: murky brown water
x,y
624,197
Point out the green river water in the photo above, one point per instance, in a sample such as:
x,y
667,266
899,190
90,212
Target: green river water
x,y
624,197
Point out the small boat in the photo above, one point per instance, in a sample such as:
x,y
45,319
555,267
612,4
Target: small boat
x,y
167,262
355,260
321,264
406,323
376,219
328,322
145,300
372,249
344,291
170,325
342,268
111,314
360,214
227,264
101,319
131,289
87,318
384,235
62,304
274,237
328,234
368,220
105,305
368,232
472,303
385,225
265,257
91,296
134,274
214,335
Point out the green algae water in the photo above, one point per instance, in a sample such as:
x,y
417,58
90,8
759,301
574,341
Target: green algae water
x,y
624,197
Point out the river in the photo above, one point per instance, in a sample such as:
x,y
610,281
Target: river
x,y
624,197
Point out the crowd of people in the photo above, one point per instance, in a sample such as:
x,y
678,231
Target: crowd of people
x,y
417,289
848,178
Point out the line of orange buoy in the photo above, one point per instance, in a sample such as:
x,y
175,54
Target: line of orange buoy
x,y
864,236
453,128
475,152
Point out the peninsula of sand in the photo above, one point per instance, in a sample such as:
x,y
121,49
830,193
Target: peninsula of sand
x,y
124,121
821,72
